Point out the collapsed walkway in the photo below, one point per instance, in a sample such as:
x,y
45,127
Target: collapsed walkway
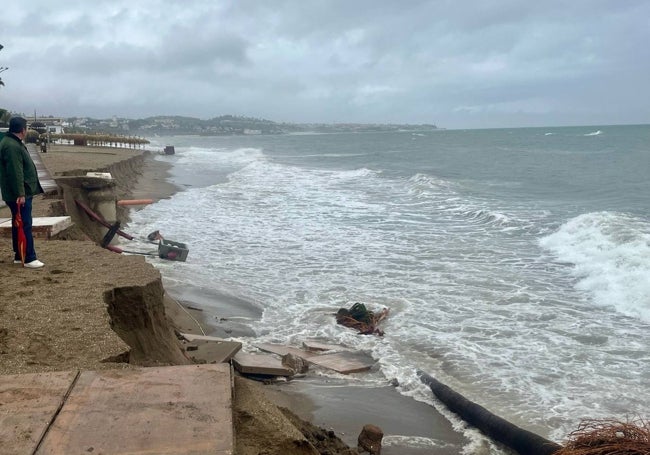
x,y
159,410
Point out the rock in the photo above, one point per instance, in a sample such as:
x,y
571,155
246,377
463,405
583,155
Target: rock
x,y
370,439
295,363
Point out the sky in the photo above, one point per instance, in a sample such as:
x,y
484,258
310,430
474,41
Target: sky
x,y
456,63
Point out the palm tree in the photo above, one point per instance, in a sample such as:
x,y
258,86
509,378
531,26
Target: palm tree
x,y
5,116
2,68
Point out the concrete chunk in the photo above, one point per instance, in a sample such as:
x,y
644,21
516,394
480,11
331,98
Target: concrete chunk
x,y
213,351
317,346
42,227
283,350
344,362
260,364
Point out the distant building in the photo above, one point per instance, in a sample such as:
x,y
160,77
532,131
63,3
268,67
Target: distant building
x,y
48,124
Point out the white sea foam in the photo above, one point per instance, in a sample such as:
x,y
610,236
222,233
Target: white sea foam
x,y
610,257
476,299
594,133
414,442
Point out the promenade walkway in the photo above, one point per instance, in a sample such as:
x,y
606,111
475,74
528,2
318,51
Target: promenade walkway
x,y
163,410
47,182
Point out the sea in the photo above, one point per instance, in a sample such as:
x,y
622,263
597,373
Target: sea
x,y
515,262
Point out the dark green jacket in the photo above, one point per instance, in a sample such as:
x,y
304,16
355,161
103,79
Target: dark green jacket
x,y
18,174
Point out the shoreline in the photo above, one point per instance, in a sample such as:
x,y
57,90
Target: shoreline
x,y
69,292
411,427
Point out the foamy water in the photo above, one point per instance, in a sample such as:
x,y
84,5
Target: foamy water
x,y
534,309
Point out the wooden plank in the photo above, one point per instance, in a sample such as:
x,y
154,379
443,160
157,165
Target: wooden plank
x,y
213,351
344,362
283,350
28,403
164,410
260,364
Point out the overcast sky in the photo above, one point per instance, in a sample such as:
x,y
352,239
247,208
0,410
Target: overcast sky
x,y
456,63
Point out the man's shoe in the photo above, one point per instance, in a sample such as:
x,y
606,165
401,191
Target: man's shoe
x,y
35,264
17,261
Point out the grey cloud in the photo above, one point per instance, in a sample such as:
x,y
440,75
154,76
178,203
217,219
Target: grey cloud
x,y
456,63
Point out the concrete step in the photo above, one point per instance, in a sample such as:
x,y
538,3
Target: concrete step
x,y
171,410
42,227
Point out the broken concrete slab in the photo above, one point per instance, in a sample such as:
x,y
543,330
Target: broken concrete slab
x,y
192,337
42,227
260,365
28,403
345,362
172,410
317,346
212,351
283,350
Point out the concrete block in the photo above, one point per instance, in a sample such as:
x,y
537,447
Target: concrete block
x,y
260,364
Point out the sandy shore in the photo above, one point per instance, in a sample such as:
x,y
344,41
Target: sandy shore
x,y
48,317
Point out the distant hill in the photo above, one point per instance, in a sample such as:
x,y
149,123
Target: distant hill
x,y
225,125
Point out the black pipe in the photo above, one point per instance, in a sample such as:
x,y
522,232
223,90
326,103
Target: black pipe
x,y
518,439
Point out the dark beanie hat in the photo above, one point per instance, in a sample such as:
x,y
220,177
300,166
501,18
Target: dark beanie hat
x,y
17,124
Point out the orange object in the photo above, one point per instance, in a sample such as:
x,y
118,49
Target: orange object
x,y
20,237
135,202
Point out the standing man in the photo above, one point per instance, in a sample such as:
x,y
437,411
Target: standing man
x,y
19,183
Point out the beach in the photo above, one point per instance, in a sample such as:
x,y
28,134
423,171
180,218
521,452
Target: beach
x,y
56,319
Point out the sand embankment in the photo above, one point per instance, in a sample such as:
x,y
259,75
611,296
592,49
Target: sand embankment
x,y
62,317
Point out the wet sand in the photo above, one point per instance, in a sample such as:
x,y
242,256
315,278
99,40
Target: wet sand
x,y
410,427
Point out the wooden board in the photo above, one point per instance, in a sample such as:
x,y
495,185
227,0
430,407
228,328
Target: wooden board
x,y
166,410
28,403
260,364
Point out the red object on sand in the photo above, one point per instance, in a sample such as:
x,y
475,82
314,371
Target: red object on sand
x,y
20,237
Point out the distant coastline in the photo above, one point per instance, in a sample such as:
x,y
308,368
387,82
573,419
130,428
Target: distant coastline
x,y
226,125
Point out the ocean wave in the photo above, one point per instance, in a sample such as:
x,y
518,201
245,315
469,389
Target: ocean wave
x,y
355,173
610,257
490,217
425,183
595,133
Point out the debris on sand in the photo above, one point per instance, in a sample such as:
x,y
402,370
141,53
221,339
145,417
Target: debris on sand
x,y
604,437
360,318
